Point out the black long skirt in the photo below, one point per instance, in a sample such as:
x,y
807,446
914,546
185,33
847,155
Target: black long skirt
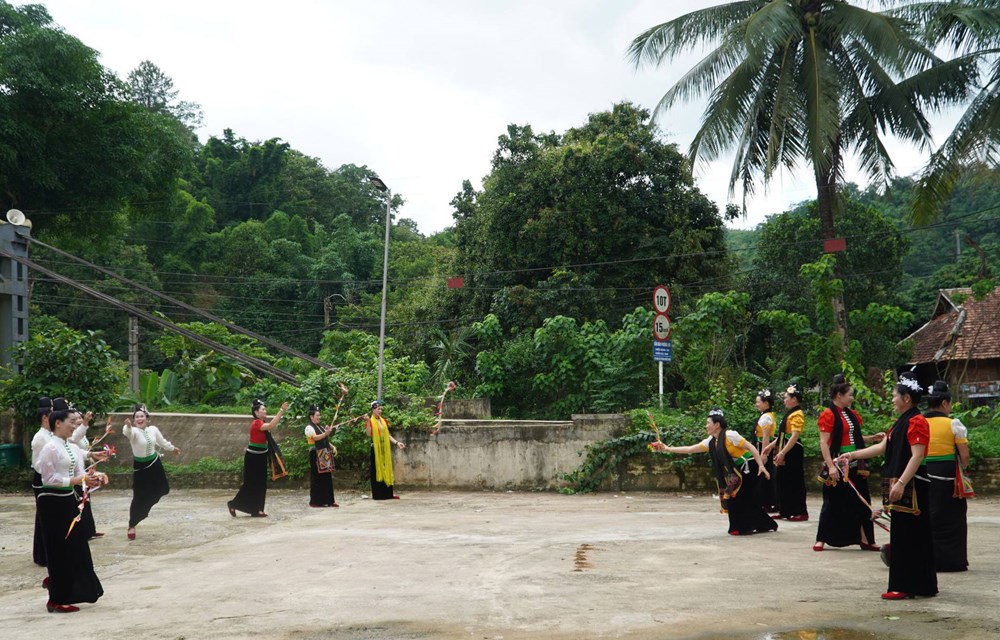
x,y
380,490
38,546
844,517
911,563
86,524
149,484
745,514
71,569
792,484
320,484
766,489
250,498
949,524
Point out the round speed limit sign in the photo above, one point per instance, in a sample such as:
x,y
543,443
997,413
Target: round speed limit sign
x,y
661,326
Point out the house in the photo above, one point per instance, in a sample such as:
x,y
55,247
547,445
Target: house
x,y
960,344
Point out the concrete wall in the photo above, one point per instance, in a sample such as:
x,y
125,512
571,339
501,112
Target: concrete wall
x,y
500,455
466,454
477,454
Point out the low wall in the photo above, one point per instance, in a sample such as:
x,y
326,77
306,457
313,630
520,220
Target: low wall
x,y
474,454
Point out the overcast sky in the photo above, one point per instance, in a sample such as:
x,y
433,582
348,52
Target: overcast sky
x,y
417,90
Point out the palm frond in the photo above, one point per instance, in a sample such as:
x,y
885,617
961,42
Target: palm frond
x,y
695,29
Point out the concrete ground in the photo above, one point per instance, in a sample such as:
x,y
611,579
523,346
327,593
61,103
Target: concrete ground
x,y
482,565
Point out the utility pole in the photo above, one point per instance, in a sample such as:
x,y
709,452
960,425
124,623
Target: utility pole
x,y
133,353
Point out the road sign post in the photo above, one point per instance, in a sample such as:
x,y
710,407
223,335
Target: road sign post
x,y
661,331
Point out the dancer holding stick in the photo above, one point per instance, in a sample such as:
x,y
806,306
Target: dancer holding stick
x,y
731,456
905,494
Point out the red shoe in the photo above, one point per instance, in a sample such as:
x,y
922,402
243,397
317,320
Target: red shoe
x,y
801,518
317,506
897,595
45,582
259,514
335,505
870,547
96,535
395,497
131,533
818,547
232,512
60,608
734,533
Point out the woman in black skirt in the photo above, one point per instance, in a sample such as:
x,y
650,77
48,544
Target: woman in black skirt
x,y
947,450
320,484
149,480
788,462
71,570
38,442
252,494
844,519
737,465
761,438
906,492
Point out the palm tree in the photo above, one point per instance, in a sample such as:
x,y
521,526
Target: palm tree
x,y
805,80
973,32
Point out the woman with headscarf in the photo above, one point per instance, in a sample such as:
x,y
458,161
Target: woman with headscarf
x,y
149,480
947,453
320,484
766,491
844,520
252,494
38,442
380,474
732,457
788,461
906,492
71,569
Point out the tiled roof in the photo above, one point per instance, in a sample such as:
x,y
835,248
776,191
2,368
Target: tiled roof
x,y
959,330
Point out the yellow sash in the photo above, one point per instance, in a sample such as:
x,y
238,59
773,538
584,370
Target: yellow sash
x,y
383,450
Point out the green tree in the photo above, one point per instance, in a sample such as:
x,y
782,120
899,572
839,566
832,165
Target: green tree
x,y
154,90
60,361
73,145
972,31
590,209
806,80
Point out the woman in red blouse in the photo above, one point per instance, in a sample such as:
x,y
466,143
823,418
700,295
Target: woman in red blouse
x,y
253,492
844,520
911,561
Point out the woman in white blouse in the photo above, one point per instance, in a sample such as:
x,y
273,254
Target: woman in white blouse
x,y
81,422
61,465
149,480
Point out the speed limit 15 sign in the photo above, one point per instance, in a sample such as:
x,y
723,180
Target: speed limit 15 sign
x,y
661,326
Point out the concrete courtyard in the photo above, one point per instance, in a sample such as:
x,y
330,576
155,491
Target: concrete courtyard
x,y
482,565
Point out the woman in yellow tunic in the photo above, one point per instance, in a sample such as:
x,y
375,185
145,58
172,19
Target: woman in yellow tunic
x,y
731,456
948,447
788,462
767,490
381,458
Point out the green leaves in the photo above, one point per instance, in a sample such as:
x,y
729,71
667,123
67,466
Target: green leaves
x,y
59,361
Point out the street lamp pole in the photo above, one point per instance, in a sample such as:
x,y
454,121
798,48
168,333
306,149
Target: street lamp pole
x,y
381,186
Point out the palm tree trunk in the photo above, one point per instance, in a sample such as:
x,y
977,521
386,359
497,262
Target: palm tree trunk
x,y
826,204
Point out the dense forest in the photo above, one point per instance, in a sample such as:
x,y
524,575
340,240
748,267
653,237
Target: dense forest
x,y
559,251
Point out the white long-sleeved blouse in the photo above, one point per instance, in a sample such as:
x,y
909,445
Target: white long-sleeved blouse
x,y
38,442
145,441
59,462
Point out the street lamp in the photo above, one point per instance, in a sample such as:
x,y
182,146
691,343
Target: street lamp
x,y
378,184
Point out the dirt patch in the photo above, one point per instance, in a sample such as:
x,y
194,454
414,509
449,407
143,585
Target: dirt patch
x,y
482,565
